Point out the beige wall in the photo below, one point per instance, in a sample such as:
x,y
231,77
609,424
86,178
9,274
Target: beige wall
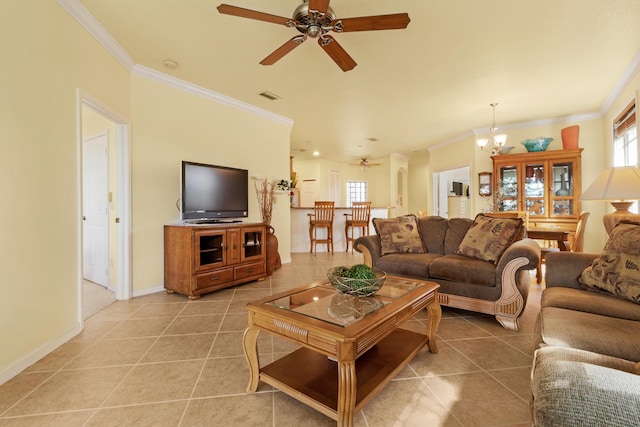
x,y
172,125
48,56
377,178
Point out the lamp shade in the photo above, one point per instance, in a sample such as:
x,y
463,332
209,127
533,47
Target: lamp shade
x,y
619,183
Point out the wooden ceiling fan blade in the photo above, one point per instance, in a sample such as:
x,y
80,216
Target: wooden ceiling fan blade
x,y
227,9
337,53
395,21
320,5
277,54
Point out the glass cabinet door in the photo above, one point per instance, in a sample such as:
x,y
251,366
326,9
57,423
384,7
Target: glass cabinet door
x,y
507,197
562,189
534,188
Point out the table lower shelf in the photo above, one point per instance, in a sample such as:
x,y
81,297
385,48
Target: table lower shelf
x,y
312,377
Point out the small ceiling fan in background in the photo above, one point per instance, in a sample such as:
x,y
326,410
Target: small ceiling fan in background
x,y
314,19
364,164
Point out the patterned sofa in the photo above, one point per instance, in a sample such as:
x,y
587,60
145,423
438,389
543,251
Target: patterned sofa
x,y
481,265
586,370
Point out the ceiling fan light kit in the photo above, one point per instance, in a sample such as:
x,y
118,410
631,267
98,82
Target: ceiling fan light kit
x,y
314,19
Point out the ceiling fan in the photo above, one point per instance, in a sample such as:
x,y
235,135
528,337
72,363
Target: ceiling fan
x,y
314,19
364,163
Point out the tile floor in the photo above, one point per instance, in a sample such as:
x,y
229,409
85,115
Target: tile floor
x,y
163,360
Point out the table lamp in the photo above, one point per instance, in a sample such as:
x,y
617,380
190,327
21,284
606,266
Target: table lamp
x,y
619,186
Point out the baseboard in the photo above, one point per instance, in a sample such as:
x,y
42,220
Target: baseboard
x,y
37,354
148,291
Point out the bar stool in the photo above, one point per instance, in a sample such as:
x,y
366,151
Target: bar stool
x,y
322,217
358,218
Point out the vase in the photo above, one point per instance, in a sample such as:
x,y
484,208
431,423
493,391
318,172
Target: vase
x,y
273,257
570,137
295,197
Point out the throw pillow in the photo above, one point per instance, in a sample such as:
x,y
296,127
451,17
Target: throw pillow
x,y
489,237
399,235
617,270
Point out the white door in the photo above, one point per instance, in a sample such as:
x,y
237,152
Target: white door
x,y
95,209
335,193
308,193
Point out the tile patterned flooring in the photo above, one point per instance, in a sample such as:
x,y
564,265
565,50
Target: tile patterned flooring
x,y
163,360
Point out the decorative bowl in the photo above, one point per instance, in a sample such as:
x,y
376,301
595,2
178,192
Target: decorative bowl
x,y
506,148
537,144
356,287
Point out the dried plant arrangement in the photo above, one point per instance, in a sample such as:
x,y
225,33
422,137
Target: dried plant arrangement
x,y
265,191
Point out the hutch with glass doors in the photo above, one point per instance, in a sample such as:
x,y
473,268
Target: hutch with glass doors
x,y
546,184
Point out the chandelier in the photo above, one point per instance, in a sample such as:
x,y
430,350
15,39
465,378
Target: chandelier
x,y
495,142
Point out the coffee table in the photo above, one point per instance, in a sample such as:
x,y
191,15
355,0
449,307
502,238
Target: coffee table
x,y
350,347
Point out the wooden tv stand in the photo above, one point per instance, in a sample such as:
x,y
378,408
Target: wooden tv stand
x,y
204,258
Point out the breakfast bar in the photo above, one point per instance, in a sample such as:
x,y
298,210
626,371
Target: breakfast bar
x,y
300,228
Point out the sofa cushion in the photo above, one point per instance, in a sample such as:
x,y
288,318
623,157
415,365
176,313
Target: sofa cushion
x,y
399,235
488,237
456,230
617,270
433,230
590,302
575,388
592,332
412,265
458,268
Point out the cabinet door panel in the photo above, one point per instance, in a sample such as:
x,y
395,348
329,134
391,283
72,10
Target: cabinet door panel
x,y
253,243
209,250
508,183
233,246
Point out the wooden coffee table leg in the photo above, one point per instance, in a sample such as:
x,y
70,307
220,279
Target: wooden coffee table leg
x,y
250,347
346,393
434,313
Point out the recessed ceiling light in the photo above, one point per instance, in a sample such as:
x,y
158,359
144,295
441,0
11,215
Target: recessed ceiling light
x,y
170,63
270,95
316,153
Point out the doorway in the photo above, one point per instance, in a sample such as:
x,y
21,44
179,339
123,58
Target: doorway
x,y
95,208
451,193
106,179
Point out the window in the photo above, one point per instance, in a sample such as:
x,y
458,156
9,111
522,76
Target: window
x,y
625,138
356,192
625,141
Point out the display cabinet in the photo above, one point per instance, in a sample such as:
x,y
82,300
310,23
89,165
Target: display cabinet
x,y
546,184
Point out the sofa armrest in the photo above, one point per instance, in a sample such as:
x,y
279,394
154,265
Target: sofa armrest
x,y
369,246
527,248
564,268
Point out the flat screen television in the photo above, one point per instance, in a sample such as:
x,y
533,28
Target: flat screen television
x,y
210,193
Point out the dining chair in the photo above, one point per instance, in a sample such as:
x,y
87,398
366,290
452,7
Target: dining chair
x,y
322,217
357,219
576,246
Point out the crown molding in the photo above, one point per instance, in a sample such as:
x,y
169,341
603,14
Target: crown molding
x,y
449,141
576,118
157,76
629,74
93,27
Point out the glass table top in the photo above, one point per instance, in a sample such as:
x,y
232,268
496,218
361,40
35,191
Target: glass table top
x,y
325,303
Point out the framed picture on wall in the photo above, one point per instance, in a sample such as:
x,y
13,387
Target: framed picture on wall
x,y
484,183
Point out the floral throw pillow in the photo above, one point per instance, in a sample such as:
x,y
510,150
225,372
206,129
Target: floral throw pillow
x,y
488,237
399,235
617,270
